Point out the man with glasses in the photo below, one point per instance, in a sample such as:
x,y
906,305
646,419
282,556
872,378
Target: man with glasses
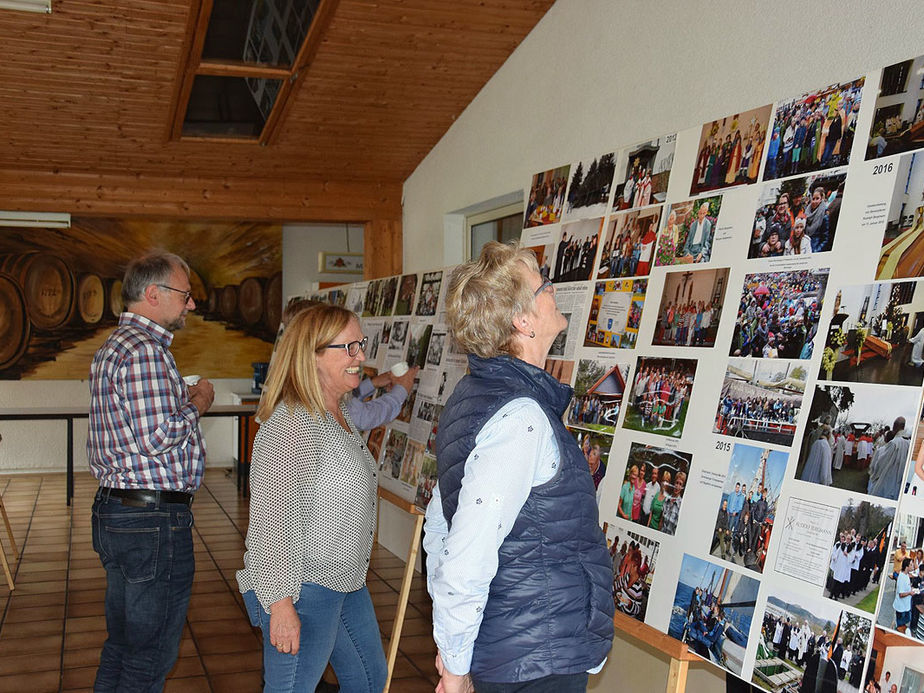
x,y
145,448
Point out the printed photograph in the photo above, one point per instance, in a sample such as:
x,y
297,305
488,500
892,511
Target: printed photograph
x,y
429,293
395,444
635,558
810,642
778,314
691,306
577,251
761,400
712,611
898,119
644,172
902,606
407,292
894,662
688,232
797,216
876,335
546,197
729,150
747,509
615,313
660,396
418,343
653,485
902,253
914,479
596,448
411,464
629,244
858,554
426,481
560,369
814,131
858,438
435,350
591,183
598,393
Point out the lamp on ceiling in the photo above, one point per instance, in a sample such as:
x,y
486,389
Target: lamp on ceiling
x,y
43,6
46,220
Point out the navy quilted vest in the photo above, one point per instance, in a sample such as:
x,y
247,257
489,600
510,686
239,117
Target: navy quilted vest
x,y
550,606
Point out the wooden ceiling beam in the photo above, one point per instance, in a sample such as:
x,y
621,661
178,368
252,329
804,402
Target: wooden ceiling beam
x,y
197,198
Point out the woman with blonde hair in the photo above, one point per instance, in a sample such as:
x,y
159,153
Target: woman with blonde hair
x,y
518,568
312,513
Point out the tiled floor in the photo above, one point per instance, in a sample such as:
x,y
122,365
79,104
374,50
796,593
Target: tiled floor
x,y
52,624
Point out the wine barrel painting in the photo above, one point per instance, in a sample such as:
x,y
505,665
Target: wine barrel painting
x,y
47,285
250,300
272,307
114,298
15,327
227,303
91,299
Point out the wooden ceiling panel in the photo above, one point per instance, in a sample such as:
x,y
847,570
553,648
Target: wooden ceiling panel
x,y
89,90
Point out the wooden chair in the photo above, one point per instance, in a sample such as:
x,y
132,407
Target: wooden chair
x,y
9,533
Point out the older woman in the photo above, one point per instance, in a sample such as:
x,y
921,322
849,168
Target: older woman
x,y
518,567
312,513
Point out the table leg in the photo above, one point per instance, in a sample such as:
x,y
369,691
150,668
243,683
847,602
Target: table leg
x,y
70,460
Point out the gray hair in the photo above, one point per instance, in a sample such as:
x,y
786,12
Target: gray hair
x,y
153,268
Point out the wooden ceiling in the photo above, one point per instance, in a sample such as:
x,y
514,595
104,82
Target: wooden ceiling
x,y
88,93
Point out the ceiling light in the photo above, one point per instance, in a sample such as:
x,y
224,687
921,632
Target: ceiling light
x,y
43,6
46,220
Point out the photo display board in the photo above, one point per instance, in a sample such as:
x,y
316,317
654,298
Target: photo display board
x,y
745,305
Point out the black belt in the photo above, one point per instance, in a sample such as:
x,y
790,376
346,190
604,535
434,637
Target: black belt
x,y
140,497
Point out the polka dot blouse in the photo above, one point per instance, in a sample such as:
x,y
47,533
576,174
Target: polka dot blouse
x,y
312,507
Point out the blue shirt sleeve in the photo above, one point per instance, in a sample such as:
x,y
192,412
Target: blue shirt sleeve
x,y
515,451
378,411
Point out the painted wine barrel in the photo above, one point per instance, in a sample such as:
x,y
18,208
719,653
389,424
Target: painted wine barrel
x,y
114,298
272,302
15,327
47,285
250,300
227,302
91,299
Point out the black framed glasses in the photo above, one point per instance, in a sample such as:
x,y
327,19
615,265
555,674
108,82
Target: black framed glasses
x,y
351,348
546,284
186,294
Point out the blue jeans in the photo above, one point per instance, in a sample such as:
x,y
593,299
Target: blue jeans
x,y
148,556
336,626
565,683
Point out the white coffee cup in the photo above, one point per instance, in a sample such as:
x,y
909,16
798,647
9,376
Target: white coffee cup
x,y
191,380
399,369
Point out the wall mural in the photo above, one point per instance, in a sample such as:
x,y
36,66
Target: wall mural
x,y
60,294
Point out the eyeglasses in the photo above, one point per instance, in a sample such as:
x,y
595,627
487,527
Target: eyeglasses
x,y
351,348
547,284
186,294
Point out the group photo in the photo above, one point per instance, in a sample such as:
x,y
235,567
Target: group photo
x,y
653,485
643,173
730,150
635,558
747,509
629,244
898,120
691,306
858,438
660,396
902,605
760,400
576,251
797,216
876,335
814,131
858,554
546,197
807,640
596,448
778,314
598,394
429,293
894,662
688,232
712,611
590,187
615,313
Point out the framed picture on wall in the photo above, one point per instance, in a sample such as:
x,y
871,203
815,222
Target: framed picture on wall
x,y
340,263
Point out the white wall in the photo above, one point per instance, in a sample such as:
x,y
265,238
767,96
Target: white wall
x,y
598,74
41,446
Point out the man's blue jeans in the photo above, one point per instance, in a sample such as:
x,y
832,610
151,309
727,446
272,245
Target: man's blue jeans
x,y
148,556
336,626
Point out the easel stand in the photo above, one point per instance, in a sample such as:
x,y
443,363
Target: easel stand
x,y
678,651
403,595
